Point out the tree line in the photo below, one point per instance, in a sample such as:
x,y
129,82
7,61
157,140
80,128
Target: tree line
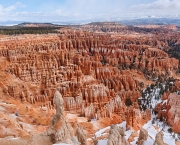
x,y
27,30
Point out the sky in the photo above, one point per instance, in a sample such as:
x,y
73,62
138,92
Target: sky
x,y
85,10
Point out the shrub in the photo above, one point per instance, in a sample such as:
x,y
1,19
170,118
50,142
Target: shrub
x,y
128,101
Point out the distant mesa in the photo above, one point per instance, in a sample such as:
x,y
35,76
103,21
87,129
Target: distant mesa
x,y
28,24
104,23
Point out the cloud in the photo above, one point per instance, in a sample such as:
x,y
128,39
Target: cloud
x,y
10,12
166,5
18,4
59,12
6,9
11,8
83,8
158,8
97,10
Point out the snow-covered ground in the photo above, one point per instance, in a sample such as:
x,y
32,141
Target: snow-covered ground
x,y
102,142
10,138
152,97
102,132
152,132
61,144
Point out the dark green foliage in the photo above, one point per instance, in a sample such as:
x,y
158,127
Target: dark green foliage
x,y
161,118
170,130
103,61
128,101
141,84
153,121
152,86
27,30
146,96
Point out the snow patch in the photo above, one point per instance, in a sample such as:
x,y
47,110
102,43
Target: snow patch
x,y
102,142
101,132
134,142
149,141
61,144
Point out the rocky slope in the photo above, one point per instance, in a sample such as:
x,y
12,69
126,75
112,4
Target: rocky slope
x,y
100,77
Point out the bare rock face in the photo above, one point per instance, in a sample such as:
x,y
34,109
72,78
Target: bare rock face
x,y
81,135
89,68
95,140
116,136
97,73
142,137
169,111
159,139
60,130
173,112
177,85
